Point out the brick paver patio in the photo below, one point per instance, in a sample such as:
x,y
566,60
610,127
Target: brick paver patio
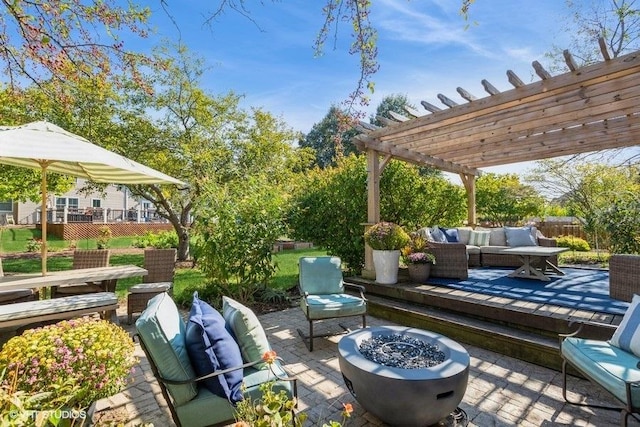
x,y
502,391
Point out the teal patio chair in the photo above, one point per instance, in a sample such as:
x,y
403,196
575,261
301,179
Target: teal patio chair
x,y
323,293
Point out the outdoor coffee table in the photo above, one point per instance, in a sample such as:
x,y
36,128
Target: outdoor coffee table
x,y
535,261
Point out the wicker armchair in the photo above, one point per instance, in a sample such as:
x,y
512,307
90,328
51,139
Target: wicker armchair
x,y
624,276
92,258
451,260
161,267
18,295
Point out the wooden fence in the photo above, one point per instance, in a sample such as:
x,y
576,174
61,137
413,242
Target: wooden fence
x,y
555,228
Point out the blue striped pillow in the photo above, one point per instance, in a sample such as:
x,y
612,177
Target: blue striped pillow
x,y
627,335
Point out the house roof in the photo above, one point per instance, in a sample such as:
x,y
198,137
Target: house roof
x,y
587,109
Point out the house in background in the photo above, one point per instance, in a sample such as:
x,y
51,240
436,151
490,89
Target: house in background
x,y
115,204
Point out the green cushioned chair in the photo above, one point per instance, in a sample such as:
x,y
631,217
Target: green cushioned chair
x,y
323,293
615,370
161,332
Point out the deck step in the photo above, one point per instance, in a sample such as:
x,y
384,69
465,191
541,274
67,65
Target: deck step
x,y
524,330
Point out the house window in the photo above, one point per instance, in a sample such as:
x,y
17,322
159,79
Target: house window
x,y
69,202
6,205
96,203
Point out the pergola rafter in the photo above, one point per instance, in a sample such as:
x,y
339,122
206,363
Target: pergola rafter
x,y
587,109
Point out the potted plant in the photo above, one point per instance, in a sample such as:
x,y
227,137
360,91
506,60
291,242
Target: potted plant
x,y
68,366
417,258
386,239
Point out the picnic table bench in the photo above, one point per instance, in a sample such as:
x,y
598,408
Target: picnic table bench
x,y
18,315
14,316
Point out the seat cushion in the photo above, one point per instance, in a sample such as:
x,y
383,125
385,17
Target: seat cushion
x,y
211,348
604,364
143,288
247,330
332,305
163,333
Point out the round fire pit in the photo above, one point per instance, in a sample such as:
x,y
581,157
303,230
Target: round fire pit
x,y
404,376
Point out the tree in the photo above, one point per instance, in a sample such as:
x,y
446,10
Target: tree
x,y
68,41
330,205
329,138
502,199
202,139
587,189
616,21
393,102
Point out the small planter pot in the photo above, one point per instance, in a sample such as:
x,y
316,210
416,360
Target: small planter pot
x,y
386,264
419,273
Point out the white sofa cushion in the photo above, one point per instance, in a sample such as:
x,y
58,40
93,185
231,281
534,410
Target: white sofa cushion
x,y
464,233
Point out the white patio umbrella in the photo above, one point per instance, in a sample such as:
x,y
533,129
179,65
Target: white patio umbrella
x,y
49,148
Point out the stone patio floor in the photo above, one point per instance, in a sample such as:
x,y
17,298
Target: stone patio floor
x,y
502,391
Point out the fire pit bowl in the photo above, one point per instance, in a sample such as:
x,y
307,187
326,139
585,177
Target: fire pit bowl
x,y
397,386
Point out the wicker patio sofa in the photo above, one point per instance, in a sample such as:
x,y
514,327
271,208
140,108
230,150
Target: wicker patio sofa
x,y
454,258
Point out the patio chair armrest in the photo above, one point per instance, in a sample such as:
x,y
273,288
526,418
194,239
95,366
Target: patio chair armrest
x,y
211,375
360,288
571,334
591,330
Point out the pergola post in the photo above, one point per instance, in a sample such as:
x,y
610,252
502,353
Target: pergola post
x,y
469,182
373,207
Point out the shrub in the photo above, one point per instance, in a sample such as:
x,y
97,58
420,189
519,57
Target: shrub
x,y
329,206
104,237
78,361
158,240
573,243
34,245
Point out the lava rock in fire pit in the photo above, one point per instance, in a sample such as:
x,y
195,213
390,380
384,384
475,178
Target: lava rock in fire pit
x,y
401,351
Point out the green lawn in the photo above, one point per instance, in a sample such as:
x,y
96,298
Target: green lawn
x,y
285,278
14,239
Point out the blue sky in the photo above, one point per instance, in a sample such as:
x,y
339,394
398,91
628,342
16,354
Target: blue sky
x,y
424,49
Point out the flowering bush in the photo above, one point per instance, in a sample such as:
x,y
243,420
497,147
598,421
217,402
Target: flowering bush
x,y
386,236
276,409
76,361
420,258
417,251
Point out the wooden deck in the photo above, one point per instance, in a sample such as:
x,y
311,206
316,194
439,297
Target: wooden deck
x,y
522,329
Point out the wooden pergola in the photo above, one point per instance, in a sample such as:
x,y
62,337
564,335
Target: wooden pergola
x,y
587,109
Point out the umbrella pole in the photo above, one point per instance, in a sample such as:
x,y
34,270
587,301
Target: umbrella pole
x,y
43,220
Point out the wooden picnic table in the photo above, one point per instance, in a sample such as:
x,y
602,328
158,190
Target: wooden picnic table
x,y
107,275
23,314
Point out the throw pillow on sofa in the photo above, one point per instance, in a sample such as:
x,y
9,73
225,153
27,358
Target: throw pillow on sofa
x,y
451,234
438,236
211,348
479,238
520,236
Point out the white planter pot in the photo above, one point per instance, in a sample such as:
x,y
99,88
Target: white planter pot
x,y
386,264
